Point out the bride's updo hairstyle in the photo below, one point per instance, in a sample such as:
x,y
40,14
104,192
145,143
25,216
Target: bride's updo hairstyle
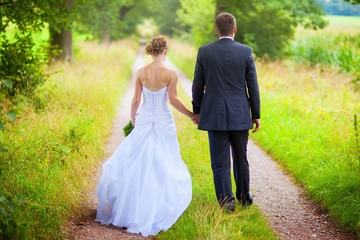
x,y
156,46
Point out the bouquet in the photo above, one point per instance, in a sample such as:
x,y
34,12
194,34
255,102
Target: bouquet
x,y
128,128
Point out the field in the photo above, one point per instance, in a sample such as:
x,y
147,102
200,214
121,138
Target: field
x,y
337,24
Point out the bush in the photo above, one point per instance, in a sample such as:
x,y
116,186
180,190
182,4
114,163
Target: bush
x,y
341,50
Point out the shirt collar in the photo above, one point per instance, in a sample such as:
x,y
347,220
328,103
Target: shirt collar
x,y
227,37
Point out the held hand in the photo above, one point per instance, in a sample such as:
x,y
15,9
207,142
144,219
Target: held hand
x,y
257,125
195,118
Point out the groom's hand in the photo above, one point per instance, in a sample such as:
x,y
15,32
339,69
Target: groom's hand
x,y
257,125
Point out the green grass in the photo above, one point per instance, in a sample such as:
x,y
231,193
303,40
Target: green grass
x,y
337,45
54,146
308,127
204,219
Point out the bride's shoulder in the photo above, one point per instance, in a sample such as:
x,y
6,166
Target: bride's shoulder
x,y
170,71
142,70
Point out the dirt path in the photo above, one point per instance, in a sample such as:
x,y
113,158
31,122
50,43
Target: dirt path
x,y
286,207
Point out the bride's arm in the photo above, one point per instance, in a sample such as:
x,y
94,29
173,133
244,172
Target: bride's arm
x,y
174,100
136,99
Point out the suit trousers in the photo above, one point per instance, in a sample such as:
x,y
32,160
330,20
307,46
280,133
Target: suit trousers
x,y
221,143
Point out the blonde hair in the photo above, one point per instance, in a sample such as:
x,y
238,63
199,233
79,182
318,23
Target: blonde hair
x,y
156,46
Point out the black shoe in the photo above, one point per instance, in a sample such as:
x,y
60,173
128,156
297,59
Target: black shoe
x,y
229,206
248,200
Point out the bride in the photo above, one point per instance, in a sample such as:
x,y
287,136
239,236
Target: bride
x,y
145,186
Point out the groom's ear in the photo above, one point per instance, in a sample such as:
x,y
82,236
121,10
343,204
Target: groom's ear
x,y
235,29
217,31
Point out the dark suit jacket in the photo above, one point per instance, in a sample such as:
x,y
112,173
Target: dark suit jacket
x,y
225,90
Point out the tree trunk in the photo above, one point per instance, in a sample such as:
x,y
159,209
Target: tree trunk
x,y
106,36
63,40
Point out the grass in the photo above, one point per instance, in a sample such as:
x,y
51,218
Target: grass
x,y
308,127
54,146
336,45
204,219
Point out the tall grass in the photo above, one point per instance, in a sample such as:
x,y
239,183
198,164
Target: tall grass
x,y
337,45
52,147
341,50
308,127
204,219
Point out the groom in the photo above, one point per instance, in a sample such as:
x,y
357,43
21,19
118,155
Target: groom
x,y
226,96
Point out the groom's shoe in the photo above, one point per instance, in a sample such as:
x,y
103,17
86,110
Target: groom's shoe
x,y
230,206
248,200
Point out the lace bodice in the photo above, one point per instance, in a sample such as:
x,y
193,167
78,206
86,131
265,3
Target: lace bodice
x,y
155,107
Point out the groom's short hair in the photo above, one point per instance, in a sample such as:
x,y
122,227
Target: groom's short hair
x,y
225,23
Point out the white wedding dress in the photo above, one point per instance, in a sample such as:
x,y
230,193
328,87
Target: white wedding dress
x,y
145,186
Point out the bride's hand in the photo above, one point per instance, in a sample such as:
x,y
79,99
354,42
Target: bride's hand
x,y
195,118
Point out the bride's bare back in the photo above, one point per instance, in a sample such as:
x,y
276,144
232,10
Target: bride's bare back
x,y
155,76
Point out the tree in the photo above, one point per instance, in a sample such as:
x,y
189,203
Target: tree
x,y
108,20
197,22
61,38
21,58
164,16
267,26
113,19
103,18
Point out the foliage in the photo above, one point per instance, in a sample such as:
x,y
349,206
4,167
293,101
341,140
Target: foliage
x,y
308,126
197,21
164,11
267,26
52,152
20,57
104,19
341,50
114,19
21,67
128,128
